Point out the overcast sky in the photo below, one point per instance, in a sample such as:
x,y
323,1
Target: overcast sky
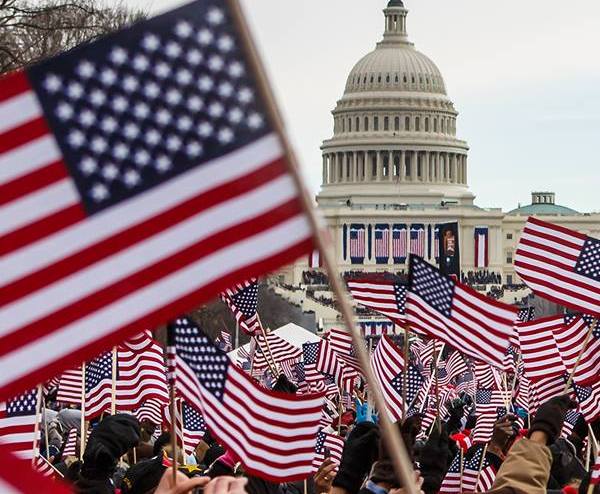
x,y
524,75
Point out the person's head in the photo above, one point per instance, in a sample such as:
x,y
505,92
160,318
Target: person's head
x,y
160,443
143,477
382,474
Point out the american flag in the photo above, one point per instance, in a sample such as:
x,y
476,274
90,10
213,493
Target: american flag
x,y
455,366
18,418
541,390
151,411
570,420
190,428
417,240
331,442
588,398
131,165
595,474
466,384
357,243
382,243
226,338
539,350
452,481
489,407
69,387
98,385
571,341
460,316
487,377
273,435
399,243
561,265
314,259
288,367
479,473
526,314
343,345
243,302
325,360
387,362
278,350
310,380
70,446
386,297
43,466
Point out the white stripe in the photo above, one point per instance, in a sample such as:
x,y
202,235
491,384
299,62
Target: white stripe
x,y
37,205
509,315
27,158
18,110
526,250
127,309
6,488
142,207
146,253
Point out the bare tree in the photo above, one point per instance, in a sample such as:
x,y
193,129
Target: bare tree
x,y
31,30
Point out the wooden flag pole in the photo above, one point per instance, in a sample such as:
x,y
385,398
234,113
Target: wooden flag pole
x,y
430,380
36,427
591,329
390,433
274,367
82,431
113,386
481,466
340,411
182,445
405,371
173,412
462,469
434,371
46,429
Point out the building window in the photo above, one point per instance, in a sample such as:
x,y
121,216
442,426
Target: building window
x,y
418,124
386,123
376,123
509,258
366,124
509,236
427,124
396,169
509,279
349,125
343,125
386,169
374,168
435,124
407,123
443,126
357,124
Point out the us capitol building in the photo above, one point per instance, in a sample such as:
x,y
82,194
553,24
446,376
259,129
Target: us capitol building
x,y
395,168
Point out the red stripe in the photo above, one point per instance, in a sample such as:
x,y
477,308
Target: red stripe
x,y
147,276
13,84
135,234
35,180
17,136
546,248
39,229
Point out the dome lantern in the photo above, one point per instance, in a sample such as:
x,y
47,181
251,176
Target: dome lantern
x,y
395,22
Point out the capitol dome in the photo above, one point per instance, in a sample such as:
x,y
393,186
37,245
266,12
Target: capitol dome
x,y
394,133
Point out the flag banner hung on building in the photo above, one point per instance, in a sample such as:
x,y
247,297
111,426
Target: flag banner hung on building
x,y
436,243
561,265
481,247
382,243
140,178
358,243
458,315
273,434
417,240
242,299
383,296
399,243
372,329
314,259
18,419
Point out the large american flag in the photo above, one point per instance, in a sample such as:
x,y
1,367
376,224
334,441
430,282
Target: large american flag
x,y
383,296
357,243
417,240
243,302
399,243
273,435
382,243
18,418
561,265
452,312
140,177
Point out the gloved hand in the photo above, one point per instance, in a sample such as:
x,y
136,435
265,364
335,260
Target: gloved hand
x,y
362,412
456,411
435,459
360,452
550,417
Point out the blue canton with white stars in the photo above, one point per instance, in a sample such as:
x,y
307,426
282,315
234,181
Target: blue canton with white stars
x,y
148,103
400,292
246,300
483,396
415,381
208,363
192,419
320,446
98,370
588,263
22,405
433,287
474,462
311,352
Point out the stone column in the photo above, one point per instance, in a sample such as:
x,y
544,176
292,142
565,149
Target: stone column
x,y
324,168
413,166
391,166
354,166
465,169
379,166
446,167
427,174
402,166
454,169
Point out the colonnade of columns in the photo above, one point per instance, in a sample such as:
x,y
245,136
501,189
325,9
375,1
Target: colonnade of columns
x,y
394,166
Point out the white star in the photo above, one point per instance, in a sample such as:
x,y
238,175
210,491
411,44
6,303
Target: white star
x,y
140,63
64,111
151,42
52,83
98,144
88,165
99,192
255,121
195,103
141,110
130,83
184,123
120,151
173,143
152,137
151,90
173,96
235,115
236,69
215,63
118,56
194,56
173,49
86,69
141,157
109,124
131,130
131,178
87,118
162,70
183,29
225,135
75,90
163,163
163,117
108,77
76,138
110,171
205,129
215,16
205,83
225,90
245,95
193,149
205,37
184,77
120,104
225,43
215,110
97,97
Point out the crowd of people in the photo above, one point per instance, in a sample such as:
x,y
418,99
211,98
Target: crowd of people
x,y
314,278
483,277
